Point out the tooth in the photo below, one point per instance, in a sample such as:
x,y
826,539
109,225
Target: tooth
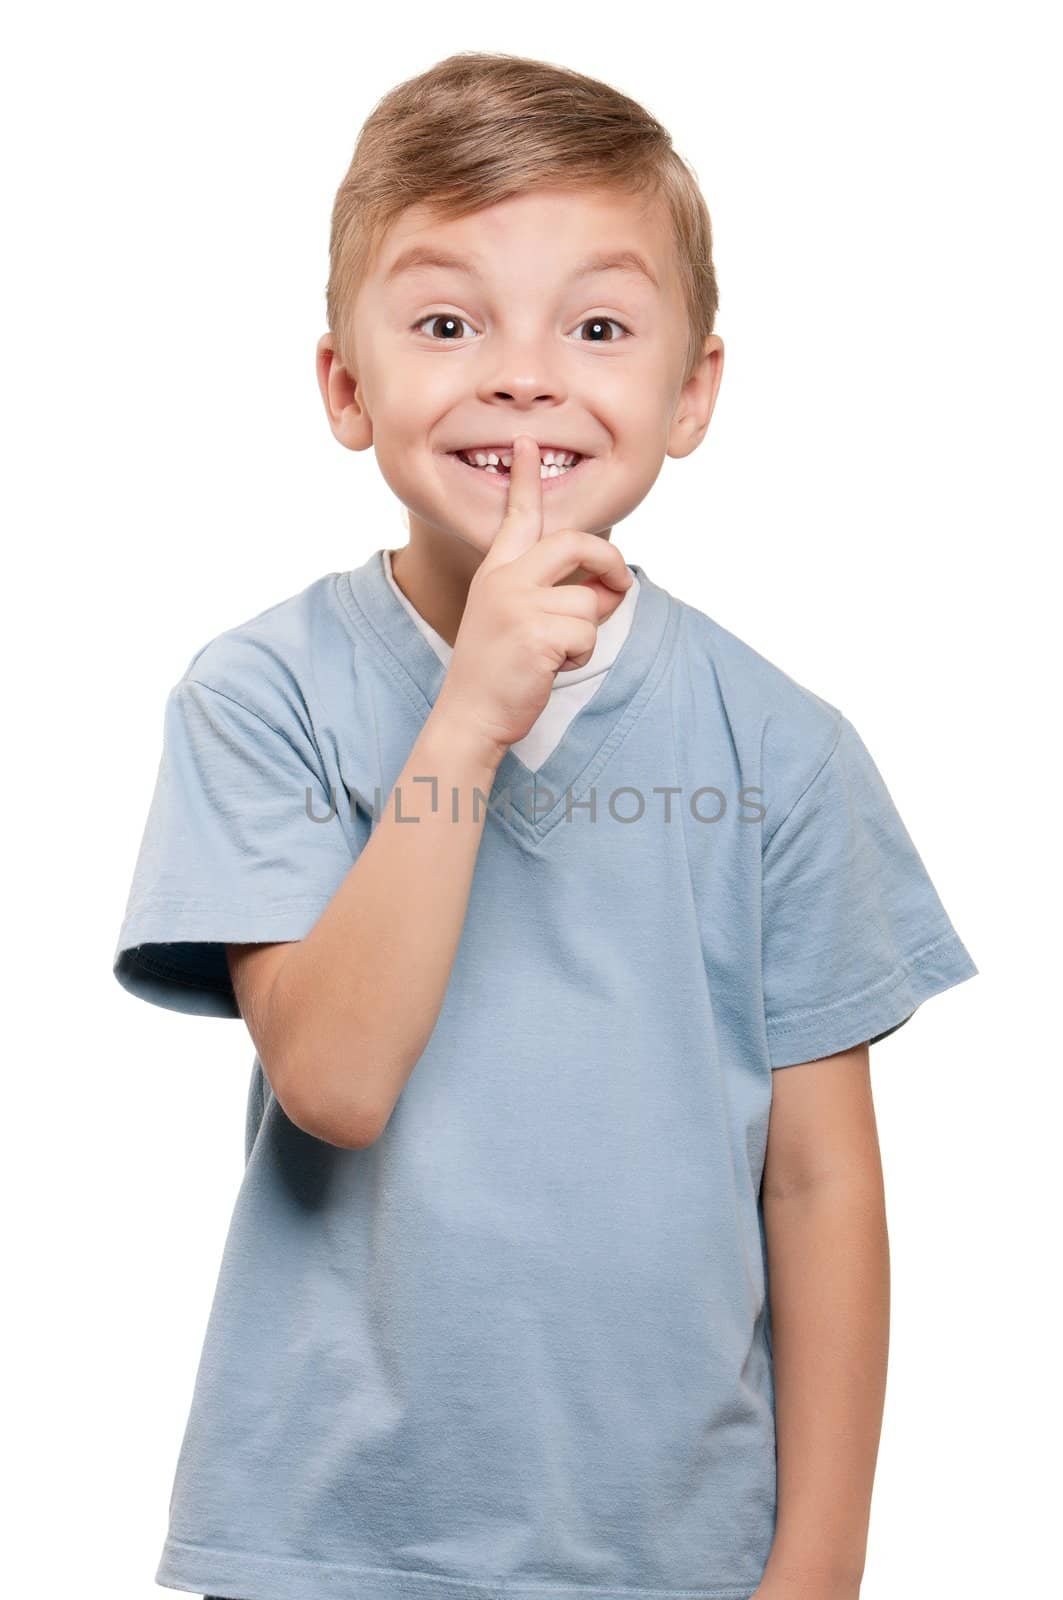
x,y
481,459
548,458
492,457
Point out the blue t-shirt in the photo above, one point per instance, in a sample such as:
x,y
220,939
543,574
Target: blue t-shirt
x,y
522,1341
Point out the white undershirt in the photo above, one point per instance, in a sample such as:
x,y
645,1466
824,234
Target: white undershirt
x,y
571,690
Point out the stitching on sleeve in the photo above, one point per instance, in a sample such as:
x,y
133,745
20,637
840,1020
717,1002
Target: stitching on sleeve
x,y
795,1021
286,902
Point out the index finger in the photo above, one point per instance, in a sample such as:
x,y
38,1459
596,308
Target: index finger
x,y
522,520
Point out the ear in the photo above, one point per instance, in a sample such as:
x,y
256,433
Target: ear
x,y
348,418
694,408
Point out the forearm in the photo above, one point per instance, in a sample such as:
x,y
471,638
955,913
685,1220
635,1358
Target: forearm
x,y
828,1263
355,1003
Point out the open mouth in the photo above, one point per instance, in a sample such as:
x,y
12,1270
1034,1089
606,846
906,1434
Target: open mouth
x,y
493,464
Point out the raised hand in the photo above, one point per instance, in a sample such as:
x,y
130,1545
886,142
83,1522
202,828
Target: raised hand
x,y
522,624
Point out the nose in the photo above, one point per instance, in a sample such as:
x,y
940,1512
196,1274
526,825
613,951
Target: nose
x,y
523,374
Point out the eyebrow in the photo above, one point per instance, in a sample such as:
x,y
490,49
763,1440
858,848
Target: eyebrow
x,y
420,257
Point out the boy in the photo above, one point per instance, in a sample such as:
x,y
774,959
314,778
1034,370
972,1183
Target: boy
x,y
529,880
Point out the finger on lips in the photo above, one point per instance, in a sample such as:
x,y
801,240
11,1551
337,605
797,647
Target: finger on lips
x,y
522,516
521,530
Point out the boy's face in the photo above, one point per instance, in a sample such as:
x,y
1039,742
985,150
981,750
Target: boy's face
x,y
528,331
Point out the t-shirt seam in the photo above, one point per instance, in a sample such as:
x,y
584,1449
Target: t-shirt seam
x,y
836,740
137,906
386,655
178,975
458,1581
675,761
793,1021
638,702
280,734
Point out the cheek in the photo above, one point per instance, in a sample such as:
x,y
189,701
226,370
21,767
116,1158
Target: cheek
x,y
631,397
410,412
396,388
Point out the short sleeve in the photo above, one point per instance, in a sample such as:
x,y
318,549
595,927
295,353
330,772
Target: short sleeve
x,y
235,850
854,934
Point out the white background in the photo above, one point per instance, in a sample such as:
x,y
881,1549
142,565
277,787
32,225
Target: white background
x,y
875,509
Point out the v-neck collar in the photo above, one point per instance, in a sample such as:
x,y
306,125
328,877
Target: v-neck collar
x,y
536,800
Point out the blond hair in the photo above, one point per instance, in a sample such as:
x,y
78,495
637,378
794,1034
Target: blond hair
x,y
477,128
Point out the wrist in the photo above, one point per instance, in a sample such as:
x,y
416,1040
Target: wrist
x,y
456,739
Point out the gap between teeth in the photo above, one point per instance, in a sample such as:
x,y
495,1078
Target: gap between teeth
x,y
552,465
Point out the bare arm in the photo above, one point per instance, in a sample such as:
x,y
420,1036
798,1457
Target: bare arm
x,y
828,1264
341,1017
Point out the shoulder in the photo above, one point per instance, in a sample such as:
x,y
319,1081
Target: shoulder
x,y
271,662
782,728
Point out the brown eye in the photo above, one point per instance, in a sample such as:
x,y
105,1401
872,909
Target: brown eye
x,y
449,325
599,325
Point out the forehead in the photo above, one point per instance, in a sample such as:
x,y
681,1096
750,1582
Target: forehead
x,y
548,235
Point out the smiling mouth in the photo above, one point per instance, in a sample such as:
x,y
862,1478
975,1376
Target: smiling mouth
x,y
495,462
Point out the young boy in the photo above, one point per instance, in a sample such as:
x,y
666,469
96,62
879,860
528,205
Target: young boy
x,y
528,880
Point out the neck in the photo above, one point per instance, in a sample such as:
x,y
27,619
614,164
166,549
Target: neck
x,y
434,572
435,580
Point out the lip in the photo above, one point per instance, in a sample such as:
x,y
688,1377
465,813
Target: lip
x,y
471,449
499,480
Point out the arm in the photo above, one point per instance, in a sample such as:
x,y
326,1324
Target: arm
x,y
340,1017
828,1266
